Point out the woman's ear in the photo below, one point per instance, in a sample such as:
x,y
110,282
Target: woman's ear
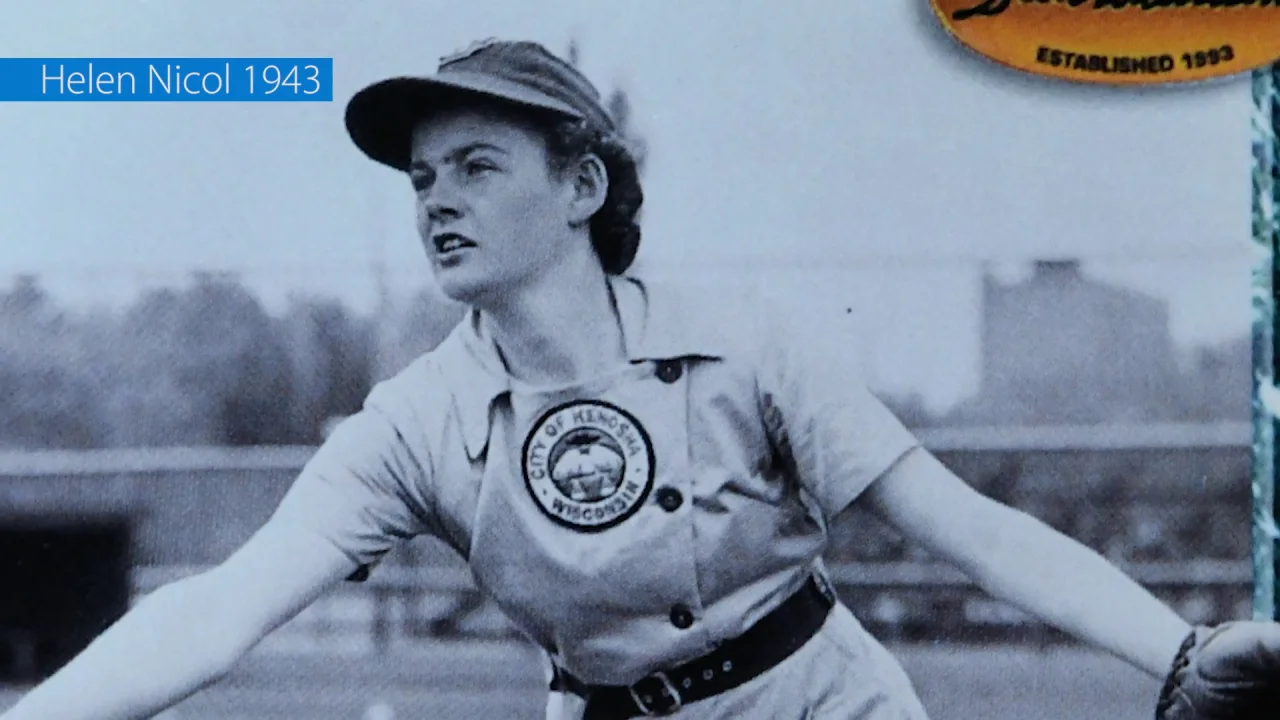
x,y
589,185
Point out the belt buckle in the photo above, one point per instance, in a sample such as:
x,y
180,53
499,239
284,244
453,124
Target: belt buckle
x,y
666,689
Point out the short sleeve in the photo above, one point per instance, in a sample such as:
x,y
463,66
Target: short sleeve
x,y
364,490
836,435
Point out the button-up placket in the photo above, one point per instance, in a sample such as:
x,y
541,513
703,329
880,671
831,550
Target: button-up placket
x,y
669,386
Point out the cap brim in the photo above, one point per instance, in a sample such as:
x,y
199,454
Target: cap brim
x,y
381,117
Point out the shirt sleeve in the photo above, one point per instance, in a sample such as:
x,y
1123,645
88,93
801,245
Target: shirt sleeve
x,y
364,490
835,435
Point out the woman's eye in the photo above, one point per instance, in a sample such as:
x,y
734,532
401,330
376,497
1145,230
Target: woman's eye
x,y
476,167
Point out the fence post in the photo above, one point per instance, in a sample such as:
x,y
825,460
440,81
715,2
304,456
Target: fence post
x,y
1266,339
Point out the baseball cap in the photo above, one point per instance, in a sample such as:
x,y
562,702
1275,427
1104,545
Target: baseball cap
x,y
381,117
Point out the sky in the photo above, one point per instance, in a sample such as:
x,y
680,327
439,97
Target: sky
x,y
849,150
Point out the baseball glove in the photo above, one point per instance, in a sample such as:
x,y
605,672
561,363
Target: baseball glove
x,y
1227,672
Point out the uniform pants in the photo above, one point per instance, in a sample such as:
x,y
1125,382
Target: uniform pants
x,y
842,673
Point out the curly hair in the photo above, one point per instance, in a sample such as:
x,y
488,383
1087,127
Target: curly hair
x,y
615,231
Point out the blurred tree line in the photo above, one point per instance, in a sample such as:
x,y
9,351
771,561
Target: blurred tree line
x,y
203,365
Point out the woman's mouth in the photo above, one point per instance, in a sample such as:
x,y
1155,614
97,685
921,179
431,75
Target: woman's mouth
x,y
448,243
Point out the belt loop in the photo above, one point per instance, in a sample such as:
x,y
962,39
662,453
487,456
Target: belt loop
x,y
824,587
557,678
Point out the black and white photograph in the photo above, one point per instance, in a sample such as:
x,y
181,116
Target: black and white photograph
x,y
593,361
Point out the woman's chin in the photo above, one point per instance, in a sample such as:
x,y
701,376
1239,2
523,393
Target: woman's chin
x,y
461,285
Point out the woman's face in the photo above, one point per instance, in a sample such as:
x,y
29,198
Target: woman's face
x,y
491,212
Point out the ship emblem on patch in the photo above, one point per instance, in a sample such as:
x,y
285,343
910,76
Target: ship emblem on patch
x,y
588,465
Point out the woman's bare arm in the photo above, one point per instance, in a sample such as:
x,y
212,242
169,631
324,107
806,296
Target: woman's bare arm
x,y
1018,559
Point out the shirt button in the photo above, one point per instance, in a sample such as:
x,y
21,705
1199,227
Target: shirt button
x,y
681,616
670,499
669,371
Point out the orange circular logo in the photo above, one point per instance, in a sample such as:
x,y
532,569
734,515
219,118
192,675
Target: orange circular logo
x,y
1119,42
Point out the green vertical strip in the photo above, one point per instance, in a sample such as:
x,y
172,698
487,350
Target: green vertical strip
x,y
1266,339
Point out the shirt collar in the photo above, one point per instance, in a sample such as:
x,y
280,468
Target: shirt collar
x,y
658,323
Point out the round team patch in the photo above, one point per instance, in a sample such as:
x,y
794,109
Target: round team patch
x,y
588,465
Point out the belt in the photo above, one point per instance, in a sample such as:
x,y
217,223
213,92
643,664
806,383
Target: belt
x,y
767,643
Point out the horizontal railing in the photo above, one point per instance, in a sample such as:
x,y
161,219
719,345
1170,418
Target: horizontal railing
x,y
394,596
894,575
1068,438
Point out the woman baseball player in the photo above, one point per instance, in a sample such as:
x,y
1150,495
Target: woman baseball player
x,y
640,476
